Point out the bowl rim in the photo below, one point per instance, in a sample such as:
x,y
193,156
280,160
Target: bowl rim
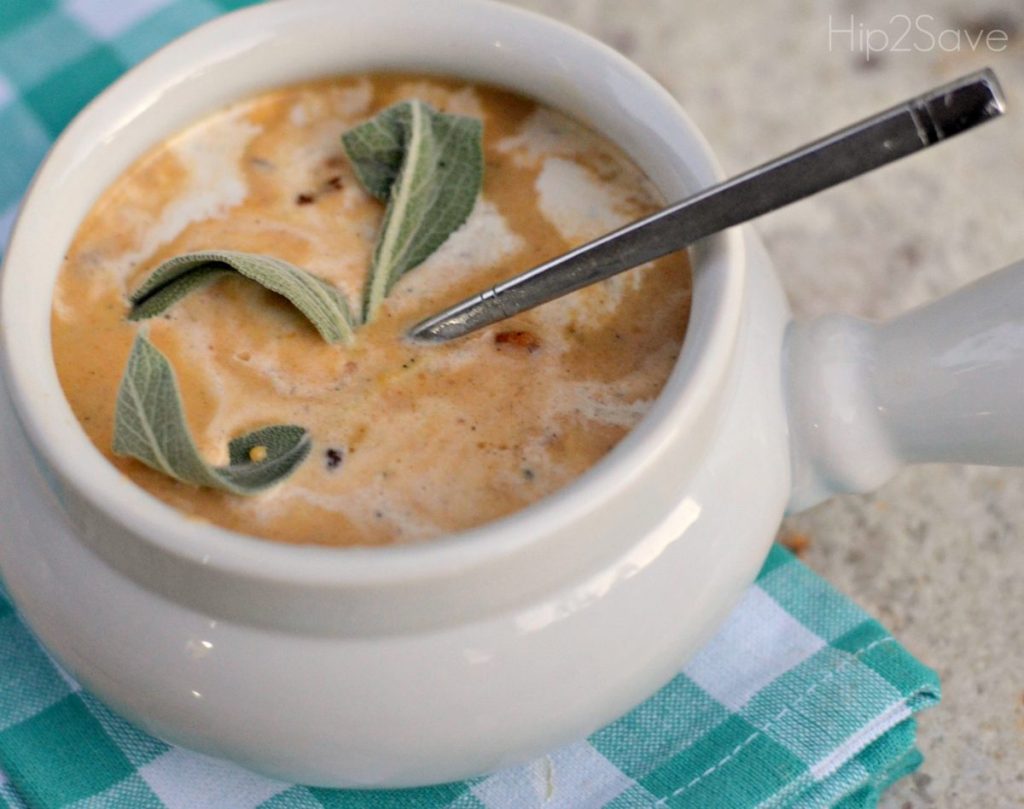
x,y
682,399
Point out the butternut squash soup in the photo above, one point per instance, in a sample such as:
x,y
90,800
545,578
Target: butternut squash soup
x,y
406,441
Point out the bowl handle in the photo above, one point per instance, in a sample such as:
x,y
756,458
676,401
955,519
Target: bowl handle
x,y
943,383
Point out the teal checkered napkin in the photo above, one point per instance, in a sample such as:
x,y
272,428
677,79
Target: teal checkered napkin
x,y
801,700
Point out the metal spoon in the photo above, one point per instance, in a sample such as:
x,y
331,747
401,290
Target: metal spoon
x,y
896,133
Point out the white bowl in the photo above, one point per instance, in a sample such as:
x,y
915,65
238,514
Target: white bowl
x,y
413,665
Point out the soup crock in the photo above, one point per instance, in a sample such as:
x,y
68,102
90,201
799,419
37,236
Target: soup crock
x,y
420,664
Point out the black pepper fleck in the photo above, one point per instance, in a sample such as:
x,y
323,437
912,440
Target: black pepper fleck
x,y
304,199
334,457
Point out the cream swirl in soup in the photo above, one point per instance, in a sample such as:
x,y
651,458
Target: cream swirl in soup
x,y
409,442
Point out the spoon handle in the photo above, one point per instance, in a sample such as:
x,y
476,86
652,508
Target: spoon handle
x,y
884,138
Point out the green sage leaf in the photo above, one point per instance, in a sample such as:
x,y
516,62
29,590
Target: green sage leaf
x,y
428,167
150,426
322,304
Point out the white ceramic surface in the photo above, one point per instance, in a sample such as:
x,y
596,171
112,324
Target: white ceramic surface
x,y
944,382
422,664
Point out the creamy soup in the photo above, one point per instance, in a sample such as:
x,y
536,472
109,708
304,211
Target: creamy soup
x,y
409,441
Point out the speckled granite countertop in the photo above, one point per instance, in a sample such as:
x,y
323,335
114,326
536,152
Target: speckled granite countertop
x,y
938,553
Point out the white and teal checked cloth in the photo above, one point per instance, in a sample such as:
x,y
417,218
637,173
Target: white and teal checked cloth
x,y
801,700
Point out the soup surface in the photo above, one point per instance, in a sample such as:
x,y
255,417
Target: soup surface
x,y
409,442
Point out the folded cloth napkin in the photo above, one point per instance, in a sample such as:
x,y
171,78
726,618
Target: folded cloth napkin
x,y
801,699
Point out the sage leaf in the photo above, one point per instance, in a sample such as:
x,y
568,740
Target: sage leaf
x,y
428,167
150,425
321,303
